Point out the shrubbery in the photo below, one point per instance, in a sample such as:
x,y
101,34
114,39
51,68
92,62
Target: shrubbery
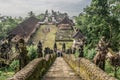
x,y
14,65
32,52
88,52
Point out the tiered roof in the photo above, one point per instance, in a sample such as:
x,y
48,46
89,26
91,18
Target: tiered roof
x,y
65,24
66,20
78,35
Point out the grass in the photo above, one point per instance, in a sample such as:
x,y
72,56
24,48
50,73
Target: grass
x,y
38,35
110,71
50,38
47,38
5,73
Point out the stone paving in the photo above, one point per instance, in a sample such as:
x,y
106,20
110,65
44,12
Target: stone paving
x,y
60,70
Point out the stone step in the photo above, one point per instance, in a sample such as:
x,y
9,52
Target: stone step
x,y
60,70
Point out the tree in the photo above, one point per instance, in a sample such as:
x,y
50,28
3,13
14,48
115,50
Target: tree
x,y
31,14
114,23
7,24
96,21
114,8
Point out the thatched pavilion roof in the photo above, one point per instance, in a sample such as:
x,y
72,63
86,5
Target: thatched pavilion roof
x,y
78,35
26,28
66,20
65,24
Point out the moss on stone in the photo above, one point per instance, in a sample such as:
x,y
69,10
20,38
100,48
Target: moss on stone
x,y
87,70
35,69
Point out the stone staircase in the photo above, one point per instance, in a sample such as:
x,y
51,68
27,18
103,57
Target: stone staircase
x,y
60,70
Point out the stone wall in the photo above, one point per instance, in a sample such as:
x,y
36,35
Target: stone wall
x,y
35,69
86,69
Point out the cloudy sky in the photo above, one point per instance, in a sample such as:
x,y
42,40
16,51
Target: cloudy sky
x,y
22,7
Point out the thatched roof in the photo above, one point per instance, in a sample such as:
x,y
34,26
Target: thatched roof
x,y
65,27
78,35
65,24
66,20
26,27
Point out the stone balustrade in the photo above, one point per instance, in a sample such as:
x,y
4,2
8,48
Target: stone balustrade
x,y
35,69
86,69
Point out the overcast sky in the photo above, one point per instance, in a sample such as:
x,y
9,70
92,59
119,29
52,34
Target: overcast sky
x,y
22,7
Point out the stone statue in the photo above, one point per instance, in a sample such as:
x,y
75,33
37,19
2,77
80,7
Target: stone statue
x,y
5,49
102,50
39,49
55,47
81,54
63,47
74,50
47,50
16,47
23,59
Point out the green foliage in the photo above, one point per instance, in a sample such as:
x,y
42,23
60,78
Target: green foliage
x,y
89,53
76,54
85,50
5,75
101,18
14,65
114,8
32,52
96,21
110,69
7,24
6,72
0,73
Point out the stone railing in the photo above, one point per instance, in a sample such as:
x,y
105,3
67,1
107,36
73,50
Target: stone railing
x,y
86,69
35,69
